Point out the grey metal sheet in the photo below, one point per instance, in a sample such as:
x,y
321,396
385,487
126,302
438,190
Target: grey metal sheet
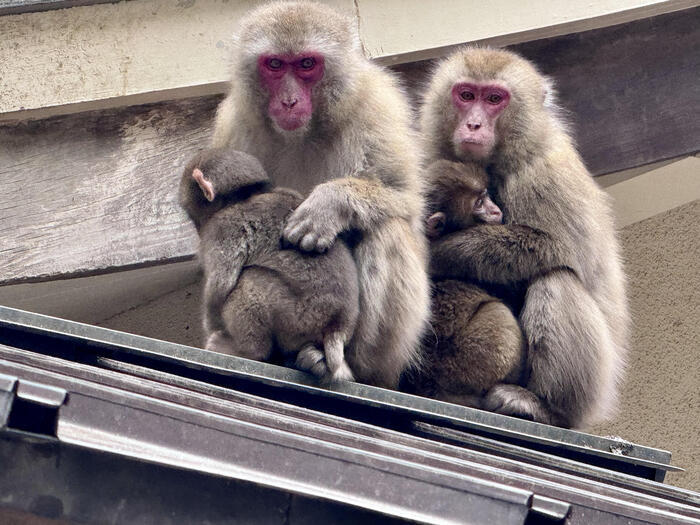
x,y
87,422
261,410
135,426
89,339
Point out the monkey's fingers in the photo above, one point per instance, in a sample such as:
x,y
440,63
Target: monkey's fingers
x,y
316,242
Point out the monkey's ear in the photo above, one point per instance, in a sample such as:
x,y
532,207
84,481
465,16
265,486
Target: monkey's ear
x,y
206,186
435,224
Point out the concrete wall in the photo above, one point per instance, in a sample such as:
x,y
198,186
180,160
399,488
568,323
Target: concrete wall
x,y
661,396
126,53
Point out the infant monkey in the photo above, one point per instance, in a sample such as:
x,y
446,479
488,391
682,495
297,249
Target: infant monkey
x,y
479,341
259,297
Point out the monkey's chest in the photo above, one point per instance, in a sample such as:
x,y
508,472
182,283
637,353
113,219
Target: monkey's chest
x,y
304,168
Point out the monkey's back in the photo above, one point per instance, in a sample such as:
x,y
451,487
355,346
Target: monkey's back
x,y
478,343
306,294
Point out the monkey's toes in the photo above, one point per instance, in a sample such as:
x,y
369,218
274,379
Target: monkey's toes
x,y
516,401
311,359
296,230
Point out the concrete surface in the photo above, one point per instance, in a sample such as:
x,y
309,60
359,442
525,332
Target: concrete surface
x,y
661,397
127,53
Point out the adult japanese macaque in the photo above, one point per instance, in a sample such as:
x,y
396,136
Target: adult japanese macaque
x,y
494,108
258,297
325,121
478,343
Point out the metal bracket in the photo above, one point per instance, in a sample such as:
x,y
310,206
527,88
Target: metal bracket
x,y
547,511
7,395
30,407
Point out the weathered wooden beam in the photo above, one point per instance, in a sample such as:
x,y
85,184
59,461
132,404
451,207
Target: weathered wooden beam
x,y
96,191
13,7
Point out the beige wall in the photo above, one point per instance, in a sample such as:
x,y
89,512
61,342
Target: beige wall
x,y
661,397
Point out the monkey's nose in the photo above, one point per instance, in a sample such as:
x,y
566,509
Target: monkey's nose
x,y
473,127
289,104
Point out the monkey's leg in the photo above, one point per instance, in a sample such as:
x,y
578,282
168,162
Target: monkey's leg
x,y
491,347
394,303
219,341
334,347
480,343
570,356
247,315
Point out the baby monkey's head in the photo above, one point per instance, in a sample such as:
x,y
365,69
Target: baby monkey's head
x,y
458,198
217,176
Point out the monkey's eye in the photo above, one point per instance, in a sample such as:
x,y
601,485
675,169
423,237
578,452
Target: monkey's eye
x,y
274,63
494,98
479,203
466,95
307,63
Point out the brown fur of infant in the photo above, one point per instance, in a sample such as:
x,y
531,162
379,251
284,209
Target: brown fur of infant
x,y
259,297
478,342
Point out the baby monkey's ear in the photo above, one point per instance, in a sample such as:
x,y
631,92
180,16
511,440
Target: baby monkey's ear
x,y
435,224
206,186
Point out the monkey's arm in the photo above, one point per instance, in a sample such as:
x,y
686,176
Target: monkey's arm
x,y
343,204
222,260
498,254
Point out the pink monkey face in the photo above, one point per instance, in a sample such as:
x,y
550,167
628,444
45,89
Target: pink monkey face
x,y
478,108
289,80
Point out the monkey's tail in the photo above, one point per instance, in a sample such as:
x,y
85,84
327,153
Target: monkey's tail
x,y
334,348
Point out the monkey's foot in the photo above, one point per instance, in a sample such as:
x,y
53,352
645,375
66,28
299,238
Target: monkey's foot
x,y
516,401
311,359
343,373
220,342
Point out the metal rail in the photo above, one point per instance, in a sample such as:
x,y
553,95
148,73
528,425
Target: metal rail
x,y
176,432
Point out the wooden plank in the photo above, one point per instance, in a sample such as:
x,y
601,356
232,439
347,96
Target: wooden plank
x,y
13,7
631,91
91,192
97,191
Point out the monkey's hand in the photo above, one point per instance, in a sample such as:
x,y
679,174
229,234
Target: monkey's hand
x,y
316,223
